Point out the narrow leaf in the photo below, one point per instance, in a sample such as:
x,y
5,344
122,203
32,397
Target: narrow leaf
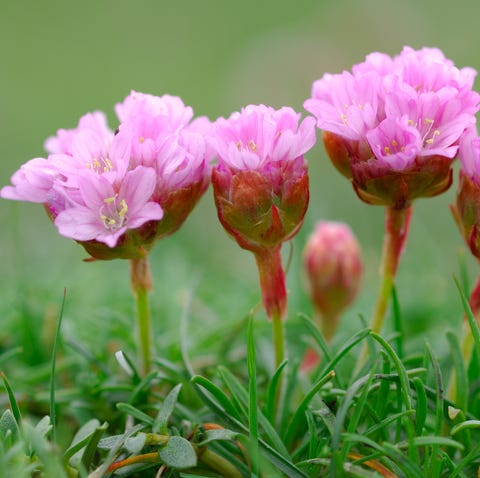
x,y
272,392
135,412
252,403
460,373
299,418
166,410
421,405
11,399
56,339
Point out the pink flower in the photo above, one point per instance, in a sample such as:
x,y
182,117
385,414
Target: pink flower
x,y
469,154
118,194
396,120
395,142
146,120
32,182
347,105
105,212
168,107
261,182
467,206
95,122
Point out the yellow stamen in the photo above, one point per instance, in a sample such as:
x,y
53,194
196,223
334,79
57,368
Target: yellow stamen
x,y
386,150
123,212
394,143
141,139
109,200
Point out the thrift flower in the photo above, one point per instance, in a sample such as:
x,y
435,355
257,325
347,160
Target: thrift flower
x,y
105,213
261,192
261,181
116,194
393,125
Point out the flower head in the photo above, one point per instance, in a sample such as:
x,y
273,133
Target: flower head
x,y
467,208
394,124
108,192
261,182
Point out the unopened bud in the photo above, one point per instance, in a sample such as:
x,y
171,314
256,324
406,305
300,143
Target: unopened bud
x,y
333,267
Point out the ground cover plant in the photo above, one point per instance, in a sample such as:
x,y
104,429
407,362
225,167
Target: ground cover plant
x,y
247,400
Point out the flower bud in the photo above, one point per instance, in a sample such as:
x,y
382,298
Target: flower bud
x,y
333,268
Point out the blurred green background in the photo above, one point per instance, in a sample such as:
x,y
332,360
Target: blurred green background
x,y
62,59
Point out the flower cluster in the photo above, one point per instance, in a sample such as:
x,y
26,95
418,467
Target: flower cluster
x,y
393,125
261,181
116,193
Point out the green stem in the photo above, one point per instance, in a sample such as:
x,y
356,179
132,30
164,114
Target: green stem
x,y
141,283
397,223
274,295
278,340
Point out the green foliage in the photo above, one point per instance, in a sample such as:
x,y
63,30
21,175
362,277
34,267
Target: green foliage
x,y
240,419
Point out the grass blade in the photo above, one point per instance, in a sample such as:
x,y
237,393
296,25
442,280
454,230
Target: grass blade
x,y
272,392
460,374
404,391
166,410
53,415
299,416
252,403
421,405
11,398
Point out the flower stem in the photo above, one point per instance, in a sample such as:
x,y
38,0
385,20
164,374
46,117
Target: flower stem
x,y
141,283
274,295
397,222
278,340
